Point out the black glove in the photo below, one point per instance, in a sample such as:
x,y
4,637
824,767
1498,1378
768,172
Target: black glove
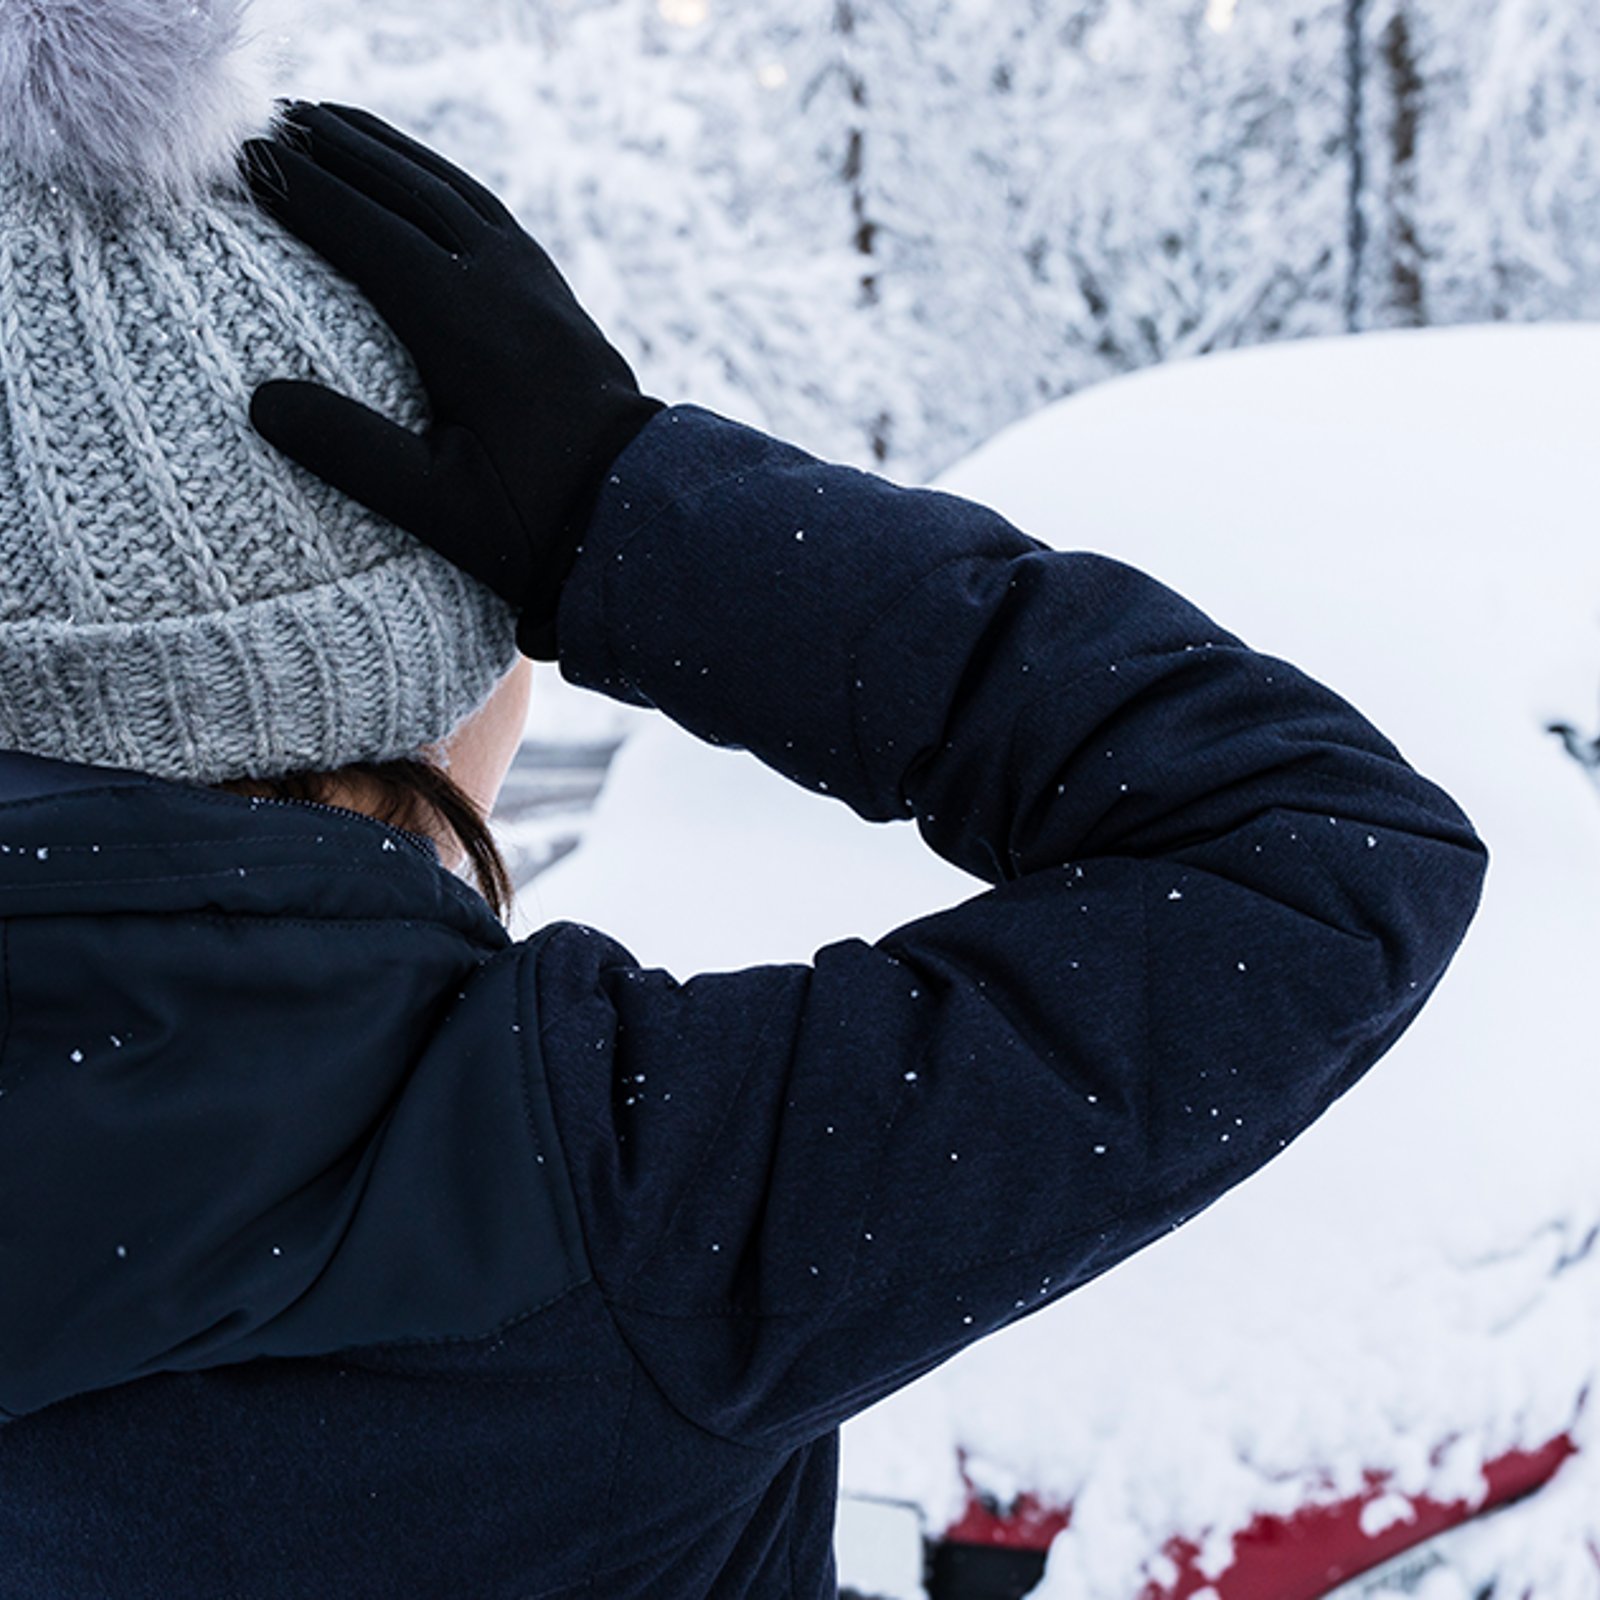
x,y
531,404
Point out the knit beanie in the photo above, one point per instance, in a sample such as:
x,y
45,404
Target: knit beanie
x,y
175,596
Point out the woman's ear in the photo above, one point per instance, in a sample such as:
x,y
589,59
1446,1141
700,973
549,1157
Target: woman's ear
x,y
478,755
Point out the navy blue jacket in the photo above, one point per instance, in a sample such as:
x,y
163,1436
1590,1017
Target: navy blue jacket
x,y
348,1247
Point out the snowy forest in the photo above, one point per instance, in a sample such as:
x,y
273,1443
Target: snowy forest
x,y
887,228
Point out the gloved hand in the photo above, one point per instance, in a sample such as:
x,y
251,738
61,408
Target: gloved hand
x,y
531,404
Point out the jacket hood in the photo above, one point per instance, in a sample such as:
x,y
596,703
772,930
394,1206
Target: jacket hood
x,y
248,1077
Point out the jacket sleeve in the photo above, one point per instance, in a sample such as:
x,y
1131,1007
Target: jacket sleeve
x,y
1216,896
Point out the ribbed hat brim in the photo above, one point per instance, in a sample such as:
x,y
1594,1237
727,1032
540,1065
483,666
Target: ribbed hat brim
x,y
224,693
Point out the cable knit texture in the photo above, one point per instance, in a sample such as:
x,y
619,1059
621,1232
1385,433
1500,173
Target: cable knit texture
x,y
175,596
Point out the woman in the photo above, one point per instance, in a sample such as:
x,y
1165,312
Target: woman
x,y
351,1248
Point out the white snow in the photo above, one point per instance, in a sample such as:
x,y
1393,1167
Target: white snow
x,y
1411,1289
1379,1515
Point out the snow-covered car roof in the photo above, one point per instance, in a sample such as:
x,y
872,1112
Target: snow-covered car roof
x,y
1413,1290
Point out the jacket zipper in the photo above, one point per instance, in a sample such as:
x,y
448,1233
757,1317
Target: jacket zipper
x,y
422,848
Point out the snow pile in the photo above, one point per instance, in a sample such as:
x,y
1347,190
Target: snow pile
x,y
1414,1287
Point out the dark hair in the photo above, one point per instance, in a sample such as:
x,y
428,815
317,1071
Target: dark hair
x,y
412,794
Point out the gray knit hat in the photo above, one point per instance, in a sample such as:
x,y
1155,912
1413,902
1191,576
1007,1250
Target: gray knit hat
x,y
175,596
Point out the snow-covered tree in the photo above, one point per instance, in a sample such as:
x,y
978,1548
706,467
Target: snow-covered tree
x,y
1484,141
887,228
1181,174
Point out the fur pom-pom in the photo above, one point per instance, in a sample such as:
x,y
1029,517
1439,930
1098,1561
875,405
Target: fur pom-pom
x,y
116,97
